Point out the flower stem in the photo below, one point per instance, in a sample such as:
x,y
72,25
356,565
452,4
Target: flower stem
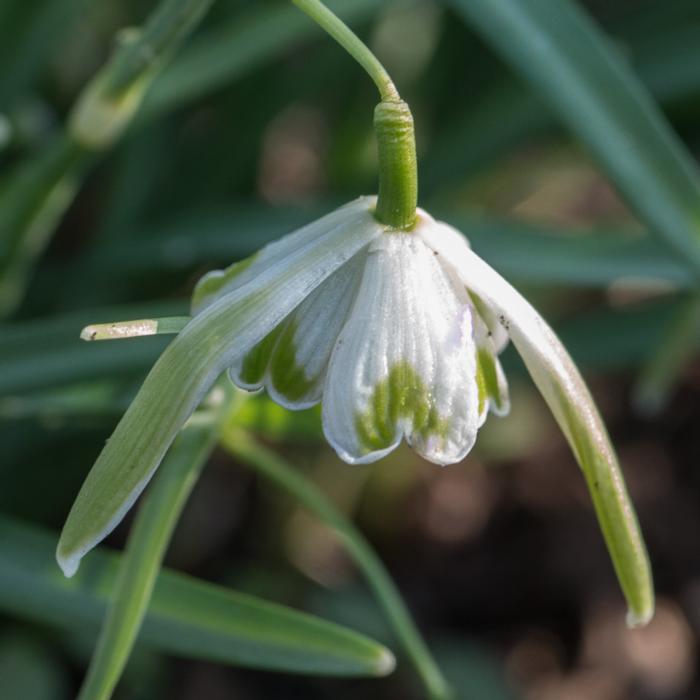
x,y
284,475
335,26
398,170
393,125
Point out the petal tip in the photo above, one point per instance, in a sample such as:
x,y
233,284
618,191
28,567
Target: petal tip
x,y
68,561
636,619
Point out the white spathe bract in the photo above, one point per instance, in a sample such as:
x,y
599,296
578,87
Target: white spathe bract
x,y
393,343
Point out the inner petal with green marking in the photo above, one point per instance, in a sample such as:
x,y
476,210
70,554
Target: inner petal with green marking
x,y
401,399
291,361
404,365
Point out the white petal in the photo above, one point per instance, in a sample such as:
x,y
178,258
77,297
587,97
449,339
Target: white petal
x,y
563,388
218,282
291,362
210,343
404,364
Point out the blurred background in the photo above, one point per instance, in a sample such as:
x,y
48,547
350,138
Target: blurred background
x,y
260,124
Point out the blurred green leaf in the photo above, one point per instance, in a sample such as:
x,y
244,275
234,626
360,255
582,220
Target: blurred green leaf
x,y
533,254
566,59
507,111
286,477
30,39
48,352
29,671
223,54
32,201
186,617
668,360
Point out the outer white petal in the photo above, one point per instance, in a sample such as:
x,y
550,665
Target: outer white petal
x,y
291,362
218,282
183,374
404,364
563,388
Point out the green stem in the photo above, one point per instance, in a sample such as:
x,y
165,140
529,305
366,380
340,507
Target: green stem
x,y
273,467
144,553
393,125
398,169
332,24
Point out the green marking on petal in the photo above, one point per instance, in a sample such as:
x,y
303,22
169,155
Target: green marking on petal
x,y
288,378
212,283
401,395
486,367
481,387
257,359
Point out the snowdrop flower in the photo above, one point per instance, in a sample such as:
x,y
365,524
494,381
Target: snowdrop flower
x,y
396,333
387,318
394,342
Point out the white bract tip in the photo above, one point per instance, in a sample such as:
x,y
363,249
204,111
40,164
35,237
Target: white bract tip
x,y
69,565
120,329
635,620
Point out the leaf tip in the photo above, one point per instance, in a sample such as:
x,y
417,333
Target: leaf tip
x,y
386,663
639,618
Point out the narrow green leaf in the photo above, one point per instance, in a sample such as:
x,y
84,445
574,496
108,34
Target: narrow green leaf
x,y
32,202
507,112
186,617
670,358
146,548
564,56
45,353
284,475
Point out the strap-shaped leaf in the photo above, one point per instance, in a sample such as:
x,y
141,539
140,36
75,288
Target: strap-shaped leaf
x,y
187,369
566,393
148,541
186,617
565,57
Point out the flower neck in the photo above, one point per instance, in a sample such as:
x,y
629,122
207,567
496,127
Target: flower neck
x,y
398,175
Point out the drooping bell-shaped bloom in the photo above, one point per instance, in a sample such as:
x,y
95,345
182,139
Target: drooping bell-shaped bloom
x,y
396,333
393,343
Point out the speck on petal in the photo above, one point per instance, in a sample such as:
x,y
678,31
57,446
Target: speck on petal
x,y
404,364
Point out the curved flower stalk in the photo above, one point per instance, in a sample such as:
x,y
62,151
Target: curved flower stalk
x,y
387,318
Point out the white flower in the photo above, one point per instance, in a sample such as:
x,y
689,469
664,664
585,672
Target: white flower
x,y
397,333
393,343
